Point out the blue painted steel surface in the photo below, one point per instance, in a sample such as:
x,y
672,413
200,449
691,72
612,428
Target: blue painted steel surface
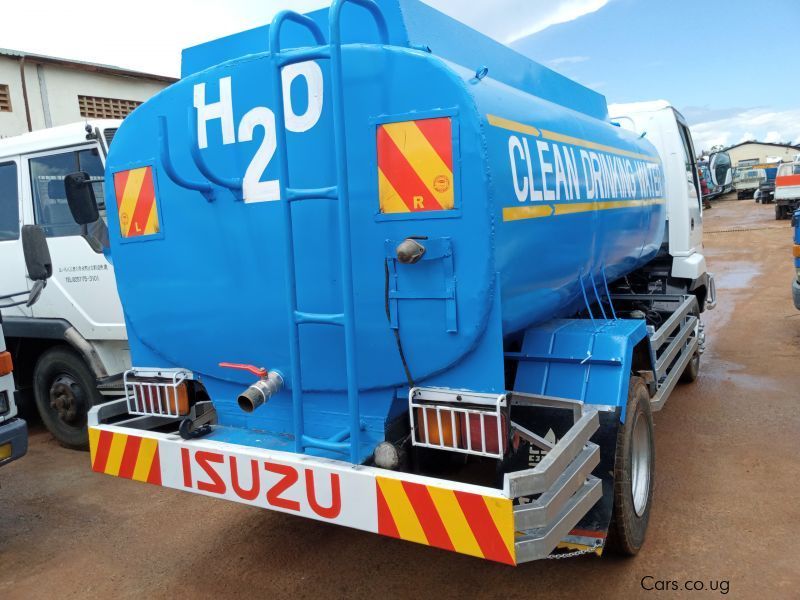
x,y
579,359
546,192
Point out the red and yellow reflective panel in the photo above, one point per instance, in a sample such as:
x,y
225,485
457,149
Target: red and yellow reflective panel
x,y
126,456
481,526
415,166
136,202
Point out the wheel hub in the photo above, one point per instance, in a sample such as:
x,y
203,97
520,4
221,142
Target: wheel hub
x,y
640,463
67,398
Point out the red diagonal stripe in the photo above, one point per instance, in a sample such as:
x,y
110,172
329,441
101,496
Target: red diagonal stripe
x,y
483,527
101,454
402,176
129,456
439,133
428,516
120,179
143,204
386,525
154,476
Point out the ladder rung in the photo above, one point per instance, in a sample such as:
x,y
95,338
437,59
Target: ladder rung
x,y
332,444
301,317
298,55
327,193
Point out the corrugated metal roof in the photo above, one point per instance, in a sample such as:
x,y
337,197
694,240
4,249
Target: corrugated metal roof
x,y
84,65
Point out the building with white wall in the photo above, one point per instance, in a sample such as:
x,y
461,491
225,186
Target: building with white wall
x,y
759,152
39,91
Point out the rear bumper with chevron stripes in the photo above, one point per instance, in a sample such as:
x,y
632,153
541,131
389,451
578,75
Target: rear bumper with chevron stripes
x,y
469,519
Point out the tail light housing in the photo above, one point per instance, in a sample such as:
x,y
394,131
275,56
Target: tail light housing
x,y
6,364
463,422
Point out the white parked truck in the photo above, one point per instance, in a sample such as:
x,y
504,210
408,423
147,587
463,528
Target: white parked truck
x,y
68,348
39,267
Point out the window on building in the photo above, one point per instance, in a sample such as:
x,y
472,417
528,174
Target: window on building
x,y
95,107
5,98
9,202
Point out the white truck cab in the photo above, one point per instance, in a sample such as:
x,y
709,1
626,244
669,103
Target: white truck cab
x,y
668,131
75,334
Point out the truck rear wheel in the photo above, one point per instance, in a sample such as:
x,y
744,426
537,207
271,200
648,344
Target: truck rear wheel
x,y
634,469
64,389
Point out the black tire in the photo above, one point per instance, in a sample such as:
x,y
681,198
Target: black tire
x,y
64,389
778,212
692,370
630,516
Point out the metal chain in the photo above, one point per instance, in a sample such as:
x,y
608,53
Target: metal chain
x,y
573,554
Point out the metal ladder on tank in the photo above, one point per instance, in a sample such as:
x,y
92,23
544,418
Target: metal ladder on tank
x,y
349,438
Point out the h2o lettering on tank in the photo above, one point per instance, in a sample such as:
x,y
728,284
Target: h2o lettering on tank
x,y
253,189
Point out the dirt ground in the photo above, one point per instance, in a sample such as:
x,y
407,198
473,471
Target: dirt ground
x,y
727,486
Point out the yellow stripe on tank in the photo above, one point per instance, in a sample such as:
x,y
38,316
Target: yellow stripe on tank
x,y
518,213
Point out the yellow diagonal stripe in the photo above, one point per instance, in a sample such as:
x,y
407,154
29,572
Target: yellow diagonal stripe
x,y
152,221
130,195
115,454
503,516
94,436
422,157
568,139
408,526
144,461
390,200
455,522
512,125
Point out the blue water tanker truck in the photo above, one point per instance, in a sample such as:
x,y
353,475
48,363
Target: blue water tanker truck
x,y
381,271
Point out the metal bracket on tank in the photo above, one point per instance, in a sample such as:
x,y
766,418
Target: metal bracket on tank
x,y
168,166
435,249
233,184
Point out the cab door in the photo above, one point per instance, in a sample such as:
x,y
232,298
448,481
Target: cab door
x,y
13,276
83,289
693,187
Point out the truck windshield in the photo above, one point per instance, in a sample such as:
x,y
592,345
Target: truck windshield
x,y
789,169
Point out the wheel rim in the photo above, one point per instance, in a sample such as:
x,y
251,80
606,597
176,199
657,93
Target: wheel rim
x,y
640,464
67,399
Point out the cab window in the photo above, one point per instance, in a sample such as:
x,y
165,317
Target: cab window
x,y
689,161
49,196
9,202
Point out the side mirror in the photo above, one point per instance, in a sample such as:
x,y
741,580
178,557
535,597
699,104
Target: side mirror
x,y
37,260
81,198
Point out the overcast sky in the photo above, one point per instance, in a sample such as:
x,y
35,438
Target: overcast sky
x,y
724,63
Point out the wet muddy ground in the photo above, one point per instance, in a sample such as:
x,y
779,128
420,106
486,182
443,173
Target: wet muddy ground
x,y
726,507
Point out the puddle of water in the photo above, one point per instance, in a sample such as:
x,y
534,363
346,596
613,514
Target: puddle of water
x,y
722,370
737,276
